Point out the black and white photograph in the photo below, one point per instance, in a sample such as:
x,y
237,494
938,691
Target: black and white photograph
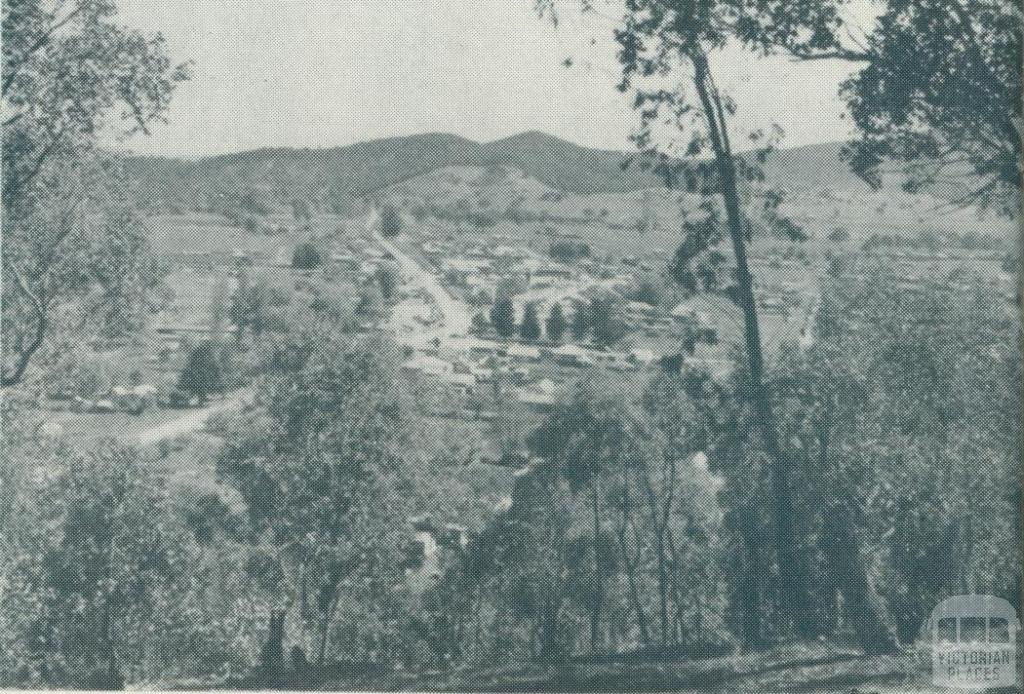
x,y
511,345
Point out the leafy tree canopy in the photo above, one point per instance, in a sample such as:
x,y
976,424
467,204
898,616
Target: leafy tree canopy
x,y
390,221
530,328
941,91
69,237
503,316
203,373
556,323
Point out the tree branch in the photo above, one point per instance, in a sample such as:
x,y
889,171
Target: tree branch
x,y
836,54
12,185
10,378
12,71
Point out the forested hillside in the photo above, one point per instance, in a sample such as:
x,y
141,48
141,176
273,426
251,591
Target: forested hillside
x,y
335,178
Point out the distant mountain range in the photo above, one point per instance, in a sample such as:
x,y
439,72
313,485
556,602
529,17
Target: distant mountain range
x,y
339,175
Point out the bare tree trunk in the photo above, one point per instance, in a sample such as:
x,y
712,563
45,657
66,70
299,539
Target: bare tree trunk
x,y
662,586
659,525
477,603
272,658
847,567
675,569
109,677
24,354
634,593
750,592
595,613
866,609
795,595
872,625
325,626
549,631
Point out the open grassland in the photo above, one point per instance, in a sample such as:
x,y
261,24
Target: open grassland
x,y
197,232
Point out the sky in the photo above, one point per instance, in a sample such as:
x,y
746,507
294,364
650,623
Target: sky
x,y
323,73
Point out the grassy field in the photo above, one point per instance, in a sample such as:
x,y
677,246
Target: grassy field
x,y
204,233
89,427
606,220
200,232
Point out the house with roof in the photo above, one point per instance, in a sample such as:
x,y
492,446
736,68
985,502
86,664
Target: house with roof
x,y
426,364
571,355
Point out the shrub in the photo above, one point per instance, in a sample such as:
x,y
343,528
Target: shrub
x,y
390,221
203,373
306,257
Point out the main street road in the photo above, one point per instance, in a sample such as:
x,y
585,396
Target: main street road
x,y
455,315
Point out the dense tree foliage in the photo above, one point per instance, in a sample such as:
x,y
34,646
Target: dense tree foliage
x,y
556,324
606,320
605,536
530,328
390,221
307,256
389,277
503,316
940,91
321,471
569,251
900,412
79,372
203,373
257,306
90,558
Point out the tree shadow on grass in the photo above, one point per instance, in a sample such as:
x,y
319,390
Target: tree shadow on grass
x,y
632,673
810,662
647,671
847,680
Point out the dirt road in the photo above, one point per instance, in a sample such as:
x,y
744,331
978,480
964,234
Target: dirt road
x,y
192,420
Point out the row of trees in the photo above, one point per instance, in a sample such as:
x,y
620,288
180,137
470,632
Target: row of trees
x,y
599,318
